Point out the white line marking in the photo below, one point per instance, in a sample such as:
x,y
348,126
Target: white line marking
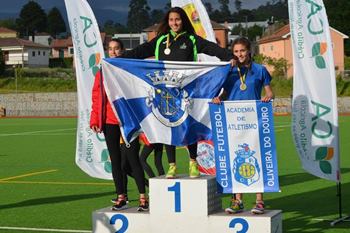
x,y
43,229
282,126
34,132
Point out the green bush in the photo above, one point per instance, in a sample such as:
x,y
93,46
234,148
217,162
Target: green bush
x,y
280,66
61,62
347,63
35,84
62,73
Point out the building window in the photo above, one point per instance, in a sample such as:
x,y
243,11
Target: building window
x,y
33,53
38,53
271,47
71,51
44,54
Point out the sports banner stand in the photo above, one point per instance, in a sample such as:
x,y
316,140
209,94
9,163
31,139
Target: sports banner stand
x,y
314,115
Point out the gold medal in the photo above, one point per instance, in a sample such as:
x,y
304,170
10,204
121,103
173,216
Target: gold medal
x,y
243,87
167,51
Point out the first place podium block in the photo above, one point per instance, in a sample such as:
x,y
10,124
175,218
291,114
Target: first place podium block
x,y
185,205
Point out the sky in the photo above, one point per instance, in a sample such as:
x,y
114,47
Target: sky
x,y
117,9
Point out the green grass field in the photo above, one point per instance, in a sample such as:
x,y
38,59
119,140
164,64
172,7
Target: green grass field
x,y
41,187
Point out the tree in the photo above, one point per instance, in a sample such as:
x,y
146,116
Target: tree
x,y
157,16
109,27
120,28
237,30
338,15
167,6
208,7
255,31
8,23
55,22
225,10
216,16
138,16
32,18
238,5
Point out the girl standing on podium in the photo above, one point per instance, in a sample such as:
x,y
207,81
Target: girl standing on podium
x,y
102,119
245,83
177,41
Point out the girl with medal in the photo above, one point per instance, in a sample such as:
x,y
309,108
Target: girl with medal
x,y
176,40
245,83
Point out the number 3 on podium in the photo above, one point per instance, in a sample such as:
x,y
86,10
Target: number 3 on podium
x,y
177,191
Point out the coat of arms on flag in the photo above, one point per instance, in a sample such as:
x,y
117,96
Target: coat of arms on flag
x,y
168,101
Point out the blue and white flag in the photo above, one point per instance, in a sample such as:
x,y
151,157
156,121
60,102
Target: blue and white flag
x,y
245,148
166,100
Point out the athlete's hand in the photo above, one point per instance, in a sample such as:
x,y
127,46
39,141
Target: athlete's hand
x,y
233,62
216,100
96,129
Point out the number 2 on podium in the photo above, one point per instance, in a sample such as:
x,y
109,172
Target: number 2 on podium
x,y
177,191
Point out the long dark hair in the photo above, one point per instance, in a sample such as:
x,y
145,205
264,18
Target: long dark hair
x,y
244,41
164,27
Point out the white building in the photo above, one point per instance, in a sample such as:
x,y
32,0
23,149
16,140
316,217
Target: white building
x,y
43,38
131,40
24,53
262,24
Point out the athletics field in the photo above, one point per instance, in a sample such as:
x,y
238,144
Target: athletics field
x,y
42,190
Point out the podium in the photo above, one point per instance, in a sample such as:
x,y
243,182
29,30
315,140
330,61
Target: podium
x,y
184,205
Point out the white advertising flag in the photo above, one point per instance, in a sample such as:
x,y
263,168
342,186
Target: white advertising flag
x,y
314,109
91,151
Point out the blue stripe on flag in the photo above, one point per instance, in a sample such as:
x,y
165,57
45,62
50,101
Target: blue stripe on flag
x,y
221,146
267,146
212,80
189,132
125,114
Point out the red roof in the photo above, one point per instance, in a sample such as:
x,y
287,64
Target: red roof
x,y
277,35
7,42
6,30
62,43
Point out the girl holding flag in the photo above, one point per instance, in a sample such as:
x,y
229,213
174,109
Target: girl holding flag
x,y
177,41
103,119
245,83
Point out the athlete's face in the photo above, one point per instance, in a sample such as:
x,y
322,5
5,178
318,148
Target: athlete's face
x,y
240,51
114,49
175,22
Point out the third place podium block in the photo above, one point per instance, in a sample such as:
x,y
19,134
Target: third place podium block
x,y
185,205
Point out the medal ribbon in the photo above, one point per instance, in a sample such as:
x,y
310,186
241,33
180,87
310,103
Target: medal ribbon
x,y
168,43
241,78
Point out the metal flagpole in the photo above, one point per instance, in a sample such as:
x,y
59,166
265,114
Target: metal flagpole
x,y
340,218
